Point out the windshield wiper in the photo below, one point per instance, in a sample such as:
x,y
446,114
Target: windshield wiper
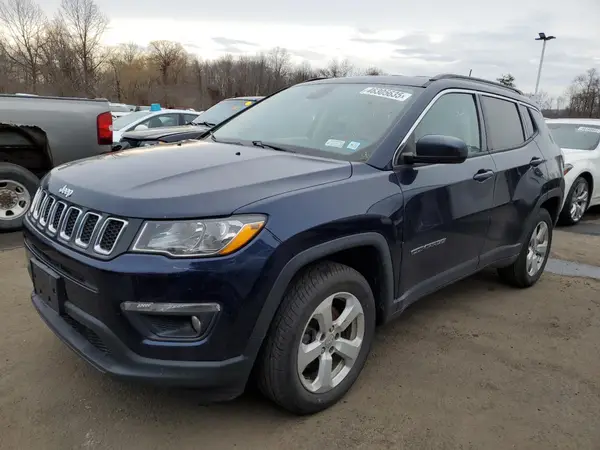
x,y
261,144
206,124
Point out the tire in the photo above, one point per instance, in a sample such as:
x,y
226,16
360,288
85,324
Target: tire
x,y
567,215
292,328
517,274
17,188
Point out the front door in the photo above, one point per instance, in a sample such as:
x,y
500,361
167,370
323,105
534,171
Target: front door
x,y
447,206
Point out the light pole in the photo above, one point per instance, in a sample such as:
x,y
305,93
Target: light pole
x,y
544,38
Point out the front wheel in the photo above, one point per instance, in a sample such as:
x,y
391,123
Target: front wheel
x,y
576,203
17,188
530,264
319,339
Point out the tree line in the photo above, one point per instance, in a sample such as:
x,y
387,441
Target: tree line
x,y
63,55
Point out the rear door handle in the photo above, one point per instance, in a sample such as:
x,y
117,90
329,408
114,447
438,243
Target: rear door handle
x,y
535,161
483,174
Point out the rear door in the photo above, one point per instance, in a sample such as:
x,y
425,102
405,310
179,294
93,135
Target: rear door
x,y
447,206
519,178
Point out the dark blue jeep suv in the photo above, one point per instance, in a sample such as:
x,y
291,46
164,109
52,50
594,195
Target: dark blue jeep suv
x,y
271,248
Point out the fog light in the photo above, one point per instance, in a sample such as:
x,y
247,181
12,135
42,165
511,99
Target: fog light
x,y
171,321
196,324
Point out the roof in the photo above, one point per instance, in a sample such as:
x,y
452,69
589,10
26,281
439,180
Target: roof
x,y
249,98
448,81
575,121
166,111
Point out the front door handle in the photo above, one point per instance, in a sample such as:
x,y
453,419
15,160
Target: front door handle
x,y
535,161
483,174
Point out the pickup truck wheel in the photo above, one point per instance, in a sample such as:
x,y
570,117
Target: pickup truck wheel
x,y
530,264
17,188
319,340
577,202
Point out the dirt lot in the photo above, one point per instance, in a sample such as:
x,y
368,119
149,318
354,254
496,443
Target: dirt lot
x,y
478,365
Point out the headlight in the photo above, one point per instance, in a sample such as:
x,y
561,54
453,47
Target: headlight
x,y
567,168
198,237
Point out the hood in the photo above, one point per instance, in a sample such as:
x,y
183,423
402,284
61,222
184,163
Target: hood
x,y
198,179
157,133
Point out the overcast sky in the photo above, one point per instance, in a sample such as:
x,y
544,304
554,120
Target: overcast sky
x,y
399,36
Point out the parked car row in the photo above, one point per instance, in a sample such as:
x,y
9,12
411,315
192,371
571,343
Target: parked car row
x,y
194,126
580,143
270,248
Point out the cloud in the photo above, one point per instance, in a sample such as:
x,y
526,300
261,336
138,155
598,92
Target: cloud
x,y
227,41
308,54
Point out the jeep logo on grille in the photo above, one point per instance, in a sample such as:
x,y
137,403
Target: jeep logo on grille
x,y
65,191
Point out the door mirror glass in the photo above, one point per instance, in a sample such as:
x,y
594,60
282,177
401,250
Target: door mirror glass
x,y
438,149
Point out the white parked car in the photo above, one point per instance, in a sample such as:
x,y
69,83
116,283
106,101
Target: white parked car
x,y
120,109
143,120
579,140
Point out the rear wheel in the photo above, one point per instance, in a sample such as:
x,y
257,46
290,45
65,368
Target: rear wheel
x,y
576,203
17,188
319,339
530,264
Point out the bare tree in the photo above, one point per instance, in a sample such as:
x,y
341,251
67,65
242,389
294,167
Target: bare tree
x,y
166,55
373,71
86,25
25,23
337,68
507,80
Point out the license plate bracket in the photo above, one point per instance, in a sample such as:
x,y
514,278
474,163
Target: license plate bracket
x,y
48,285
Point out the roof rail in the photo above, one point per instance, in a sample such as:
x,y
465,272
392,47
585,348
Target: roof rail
x,y
315,79
450,76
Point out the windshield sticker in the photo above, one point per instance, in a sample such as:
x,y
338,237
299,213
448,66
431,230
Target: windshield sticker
x,y
335,143
353,145
386,93
589,129
247,103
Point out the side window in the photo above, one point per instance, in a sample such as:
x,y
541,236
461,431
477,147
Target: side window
x,y
527,122
452,115
187,118
504,127
166,120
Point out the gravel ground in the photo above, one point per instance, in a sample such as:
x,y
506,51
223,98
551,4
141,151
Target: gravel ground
x,y
477,365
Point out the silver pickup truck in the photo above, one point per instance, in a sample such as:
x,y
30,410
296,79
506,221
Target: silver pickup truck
x,y
39,133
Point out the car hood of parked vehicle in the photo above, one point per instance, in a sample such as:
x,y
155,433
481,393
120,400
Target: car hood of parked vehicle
x,y
157,133
192,180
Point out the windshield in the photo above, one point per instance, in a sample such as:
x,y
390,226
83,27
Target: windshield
x,y
123,121
575,136
343,121
222,111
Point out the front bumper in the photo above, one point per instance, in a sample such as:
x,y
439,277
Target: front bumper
x,y
91,322
91,340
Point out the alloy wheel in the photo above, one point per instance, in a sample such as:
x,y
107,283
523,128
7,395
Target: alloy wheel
x,y
537,248
579,202
331,342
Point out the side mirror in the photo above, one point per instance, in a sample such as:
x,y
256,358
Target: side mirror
x,y
141,126
438,149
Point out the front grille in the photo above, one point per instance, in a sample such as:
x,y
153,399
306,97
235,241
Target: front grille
x,y
89,223
87,333
110,234
57,216
46,208
75,226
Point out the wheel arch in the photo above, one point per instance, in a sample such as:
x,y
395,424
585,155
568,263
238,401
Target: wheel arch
x,y
332,250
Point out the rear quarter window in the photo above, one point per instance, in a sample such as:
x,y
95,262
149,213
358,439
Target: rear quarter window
x,y
503,124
